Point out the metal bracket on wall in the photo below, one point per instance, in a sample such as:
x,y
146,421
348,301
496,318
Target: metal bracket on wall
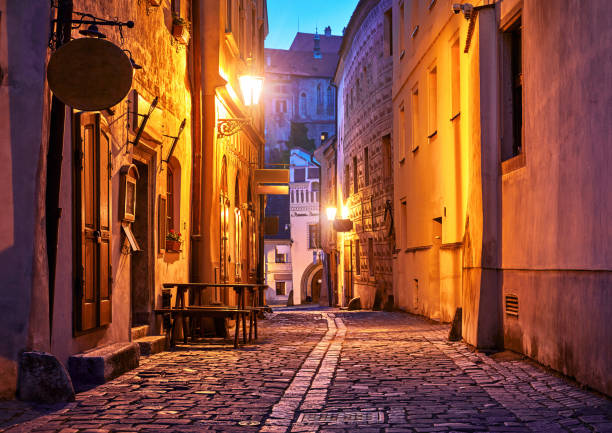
x,y
229,127
175,140
144,121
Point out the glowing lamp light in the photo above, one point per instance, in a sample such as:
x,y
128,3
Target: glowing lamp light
x,y
331,213
345,212
251,88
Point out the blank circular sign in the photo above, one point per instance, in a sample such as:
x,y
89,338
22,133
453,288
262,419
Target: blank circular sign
x,y
90,74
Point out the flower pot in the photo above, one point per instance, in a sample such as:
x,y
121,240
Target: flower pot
x,y
173,245
181,33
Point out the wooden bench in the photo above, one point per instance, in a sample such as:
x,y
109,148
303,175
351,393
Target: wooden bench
x,y
191,312
180,312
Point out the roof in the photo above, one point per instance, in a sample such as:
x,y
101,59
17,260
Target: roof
x,y
305,42
300,63
278,205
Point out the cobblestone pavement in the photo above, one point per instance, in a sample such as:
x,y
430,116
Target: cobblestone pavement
x,y
327,371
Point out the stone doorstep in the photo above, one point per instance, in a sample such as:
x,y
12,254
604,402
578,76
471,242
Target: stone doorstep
x,y
151,344
139,332
102,364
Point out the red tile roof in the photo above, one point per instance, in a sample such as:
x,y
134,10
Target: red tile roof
x,y
305,42
300,63
299,58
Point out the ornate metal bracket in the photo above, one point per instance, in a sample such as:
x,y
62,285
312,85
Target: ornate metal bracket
x,y
229,127
65,15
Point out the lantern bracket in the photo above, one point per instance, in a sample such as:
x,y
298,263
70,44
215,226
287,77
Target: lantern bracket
x,y
231,126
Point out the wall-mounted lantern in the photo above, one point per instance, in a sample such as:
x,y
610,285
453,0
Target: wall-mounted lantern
x,y
343,224
251,87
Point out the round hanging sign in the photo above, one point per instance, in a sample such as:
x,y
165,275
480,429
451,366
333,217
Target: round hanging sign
x,y
90,74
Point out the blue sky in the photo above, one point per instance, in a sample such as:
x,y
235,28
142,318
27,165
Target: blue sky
x,y
283,18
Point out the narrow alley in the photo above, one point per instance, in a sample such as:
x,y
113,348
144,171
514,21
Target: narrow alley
x,y
326,370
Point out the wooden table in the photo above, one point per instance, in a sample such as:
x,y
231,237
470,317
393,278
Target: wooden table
x,y
180,310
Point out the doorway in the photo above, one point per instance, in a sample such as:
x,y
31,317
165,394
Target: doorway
x,y
315,286
140,272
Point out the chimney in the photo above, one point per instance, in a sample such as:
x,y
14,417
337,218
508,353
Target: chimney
x,y
328,31
317,45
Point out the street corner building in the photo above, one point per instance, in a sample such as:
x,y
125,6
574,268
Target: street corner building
x,y
501,188
363,160
106,203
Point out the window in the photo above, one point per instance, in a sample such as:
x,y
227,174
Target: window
x,y
432,103
347,181
319,99
357,258
302,104
314,237
330,101
371,256
402,134
299,175
280,288
455,78
388,33
228,16
415,119
402,30
170,197
387,157
512,91
281,106
92,216
404,225
280,258
313,172
355,177
366,167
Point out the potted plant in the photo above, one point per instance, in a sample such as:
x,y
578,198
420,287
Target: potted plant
x,y
173,241
180,29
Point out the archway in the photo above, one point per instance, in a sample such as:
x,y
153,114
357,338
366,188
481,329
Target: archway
x,y
306,285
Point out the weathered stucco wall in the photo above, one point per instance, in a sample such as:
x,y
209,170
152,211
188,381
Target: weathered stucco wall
x,y
556,208
23,292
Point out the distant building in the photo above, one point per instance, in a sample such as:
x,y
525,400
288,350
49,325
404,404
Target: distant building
x,y
304,192
363,157
299,94
300,104
277,250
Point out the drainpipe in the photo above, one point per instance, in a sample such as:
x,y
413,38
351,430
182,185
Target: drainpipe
x,y
54,160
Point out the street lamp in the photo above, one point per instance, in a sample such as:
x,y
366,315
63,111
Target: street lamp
x,y
251,87
343,224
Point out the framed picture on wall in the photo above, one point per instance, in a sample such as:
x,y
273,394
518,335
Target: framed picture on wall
x,y
127,193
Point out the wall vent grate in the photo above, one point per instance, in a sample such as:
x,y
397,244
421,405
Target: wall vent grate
x,y
512,305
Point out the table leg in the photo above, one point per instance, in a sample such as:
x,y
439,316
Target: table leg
x,y
237,330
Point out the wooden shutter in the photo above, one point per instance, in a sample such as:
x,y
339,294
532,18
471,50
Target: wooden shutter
x,y
92,184
104,225
162,217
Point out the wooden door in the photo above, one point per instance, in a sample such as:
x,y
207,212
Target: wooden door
x,y
92,184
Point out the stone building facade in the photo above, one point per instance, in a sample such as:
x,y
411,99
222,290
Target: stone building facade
x,y
299,94
501,183
304,195
364,141
112,252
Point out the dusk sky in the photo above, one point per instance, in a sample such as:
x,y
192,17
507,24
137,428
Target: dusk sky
x,y
283,18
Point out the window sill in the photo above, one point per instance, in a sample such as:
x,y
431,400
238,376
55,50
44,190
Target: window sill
x,y
512,164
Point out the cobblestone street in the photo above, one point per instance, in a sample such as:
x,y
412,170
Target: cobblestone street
x,y
327,371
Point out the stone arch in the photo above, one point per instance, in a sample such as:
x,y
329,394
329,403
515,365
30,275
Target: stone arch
x,y
307,279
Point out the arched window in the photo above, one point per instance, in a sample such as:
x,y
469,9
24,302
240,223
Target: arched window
x,y
302,104
237,230
319,99
330,101
224,227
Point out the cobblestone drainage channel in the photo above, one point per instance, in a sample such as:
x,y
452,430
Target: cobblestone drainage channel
x,y
341,418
